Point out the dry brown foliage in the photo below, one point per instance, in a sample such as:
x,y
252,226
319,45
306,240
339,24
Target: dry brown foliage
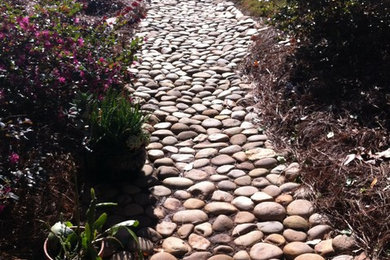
x,y
351,183
22,232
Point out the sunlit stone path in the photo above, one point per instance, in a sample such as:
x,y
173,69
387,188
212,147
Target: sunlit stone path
x,y
221,190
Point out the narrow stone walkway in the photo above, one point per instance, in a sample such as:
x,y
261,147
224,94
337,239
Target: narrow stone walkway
x,y
222,192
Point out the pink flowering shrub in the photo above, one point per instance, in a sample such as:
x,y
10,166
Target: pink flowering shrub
x,y
48,54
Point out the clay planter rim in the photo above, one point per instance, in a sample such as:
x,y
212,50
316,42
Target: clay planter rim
x,y
48,257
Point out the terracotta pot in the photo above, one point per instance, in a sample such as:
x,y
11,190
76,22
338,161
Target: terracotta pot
x,y
48,257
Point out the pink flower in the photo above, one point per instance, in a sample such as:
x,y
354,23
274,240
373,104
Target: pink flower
x,y
80,41
14,158
23,22
61,79
76,20
82,74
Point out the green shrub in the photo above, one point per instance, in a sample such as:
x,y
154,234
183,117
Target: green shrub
x,y
116,124
344,44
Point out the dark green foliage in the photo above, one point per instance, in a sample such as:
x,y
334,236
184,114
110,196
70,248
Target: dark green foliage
x,y
116,124
344,48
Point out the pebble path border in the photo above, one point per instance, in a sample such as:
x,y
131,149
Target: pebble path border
x,y
221,193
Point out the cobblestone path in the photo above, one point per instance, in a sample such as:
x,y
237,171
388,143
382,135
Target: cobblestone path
x,y
221,191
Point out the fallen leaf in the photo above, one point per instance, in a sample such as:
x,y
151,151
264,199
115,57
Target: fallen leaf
x,y
374,181
385,154
349,158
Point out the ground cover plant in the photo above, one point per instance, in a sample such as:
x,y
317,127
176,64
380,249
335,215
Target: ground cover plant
x,y
323,91
50,53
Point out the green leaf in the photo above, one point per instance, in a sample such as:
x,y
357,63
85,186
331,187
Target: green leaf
x,y
98,225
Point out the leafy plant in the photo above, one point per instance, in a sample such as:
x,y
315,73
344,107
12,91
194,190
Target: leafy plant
x,y
82,242
116,124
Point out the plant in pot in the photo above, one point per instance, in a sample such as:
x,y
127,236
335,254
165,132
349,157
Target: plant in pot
x,y
117,139
85,242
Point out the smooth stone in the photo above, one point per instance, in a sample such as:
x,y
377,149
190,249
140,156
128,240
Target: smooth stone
x,y
269,211
284,199
270,227
318,232
260,182
272,190
226,185
296,222
160,191
243,203
217,208
178,182
206,153
179,127
258,172
244,217
260,196
260,153
223,249
294,249
221,238
317,219
198,242
190,216
293,235
162,256
275,239
303,208
276,179
238,139
309,256
324,247
232,149
243,229
265,251
245,191
187,135
225,169
182,157
222,223
198,256
182,194
218,137
193,203
343,243
175,246
185,230
221,257
172,203
211,123
241,255
167,171
166,228
222,159
243,180
224,196
204,229
204,189
343,257
267,163
249,238
196,175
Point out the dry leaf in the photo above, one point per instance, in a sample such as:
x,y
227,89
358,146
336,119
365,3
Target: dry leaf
x,y
374,181
349,158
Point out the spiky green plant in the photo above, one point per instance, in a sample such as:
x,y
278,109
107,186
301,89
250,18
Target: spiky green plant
x,y
116,123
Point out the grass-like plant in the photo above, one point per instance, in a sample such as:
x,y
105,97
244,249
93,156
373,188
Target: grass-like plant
x,y
116,123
